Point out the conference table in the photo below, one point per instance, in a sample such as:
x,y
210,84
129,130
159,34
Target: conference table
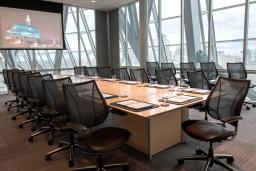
x,y
154,129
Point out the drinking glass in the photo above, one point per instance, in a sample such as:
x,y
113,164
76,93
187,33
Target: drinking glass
x,y
165,95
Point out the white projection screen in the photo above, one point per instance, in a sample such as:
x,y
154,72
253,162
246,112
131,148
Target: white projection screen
x,y
30,29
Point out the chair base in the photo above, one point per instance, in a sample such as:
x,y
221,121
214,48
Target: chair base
x,y
65,146
210,158
100,166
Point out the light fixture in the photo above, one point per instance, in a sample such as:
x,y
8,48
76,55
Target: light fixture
x,y
93,1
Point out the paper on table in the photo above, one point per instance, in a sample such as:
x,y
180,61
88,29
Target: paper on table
x,y
139,105
127,102
130,82
105,95
181,98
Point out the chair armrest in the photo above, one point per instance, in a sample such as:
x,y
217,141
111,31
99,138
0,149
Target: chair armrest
x,y
231,119
76,127
117,112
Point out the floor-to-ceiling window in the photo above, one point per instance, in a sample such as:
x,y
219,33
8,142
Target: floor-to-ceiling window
x,y
129,35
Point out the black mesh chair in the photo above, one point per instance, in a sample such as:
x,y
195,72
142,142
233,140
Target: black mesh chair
x,y
56,104
121,73
224,104
12,103
139,75
210,71
87,109
91,71
38,95
18,92
168,66
184,68
237,71
105,72
197,79
151,68
27,96
165,76
7,83
79,70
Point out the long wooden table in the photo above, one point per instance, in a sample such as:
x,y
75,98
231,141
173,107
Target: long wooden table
x,y
152,130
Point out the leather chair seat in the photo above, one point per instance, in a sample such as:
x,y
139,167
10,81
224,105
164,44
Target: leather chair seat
x,y
206,131
106,139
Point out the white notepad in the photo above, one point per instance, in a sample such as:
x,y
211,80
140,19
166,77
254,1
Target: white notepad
x,y
105,95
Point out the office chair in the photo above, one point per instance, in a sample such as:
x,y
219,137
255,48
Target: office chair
x,y
14,103
79,70
56,104
210,71
87,109
151,67
237,71
165,76
105,72
37,94
18,93
27,96
91,71
184,68
7,83
197,79
121,73
169,65
224,104
139,75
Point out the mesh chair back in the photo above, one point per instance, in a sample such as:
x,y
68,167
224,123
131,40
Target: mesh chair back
x,y
36,84
5,76
16,79
85,103
139,75
166,76
168,66
227,97
10,78
151,67
197,79
91,71
236,71
105,72
121,73
24,83
210,70
186,67
79,70
54,95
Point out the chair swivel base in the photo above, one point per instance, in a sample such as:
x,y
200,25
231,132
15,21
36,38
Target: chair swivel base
x,y
43,130
65,146
210,158
100,166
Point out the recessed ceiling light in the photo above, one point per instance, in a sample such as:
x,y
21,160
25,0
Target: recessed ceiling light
x,y
93,1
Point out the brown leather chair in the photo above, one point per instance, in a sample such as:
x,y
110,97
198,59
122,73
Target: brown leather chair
x,y
224,104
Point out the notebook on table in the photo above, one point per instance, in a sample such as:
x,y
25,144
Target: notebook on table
x,y
182,99
108,96
134,105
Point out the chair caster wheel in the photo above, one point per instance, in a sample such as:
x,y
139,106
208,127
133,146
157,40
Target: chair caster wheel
x,y
60,145
48,157
30,139
198,152
14,118
50,142
247,108
230,160
125,168
71,163
253,105
33,129
180,161
8,109
20,126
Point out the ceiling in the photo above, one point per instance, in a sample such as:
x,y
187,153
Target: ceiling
x,y
103,5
